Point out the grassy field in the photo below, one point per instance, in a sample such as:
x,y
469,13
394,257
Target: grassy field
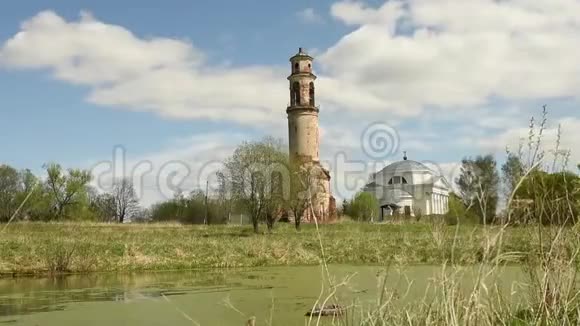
x,y
40,248
548,257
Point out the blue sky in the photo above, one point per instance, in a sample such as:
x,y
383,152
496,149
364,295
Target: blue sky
x,y
187,81
56,124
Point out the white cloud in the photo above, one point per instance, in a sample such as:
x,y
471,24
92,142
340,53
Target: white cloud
x,y
402,58
455,54
92,53
165,76
357,13
310,16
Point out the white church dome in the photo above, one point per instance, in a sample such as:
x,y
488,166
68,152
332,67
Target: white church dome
x,y
405,172
405,166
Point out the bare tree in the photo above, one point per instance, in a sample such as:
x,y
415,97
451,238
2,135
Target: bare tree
x,y
126,203
102,204
225,197
302,183
254,173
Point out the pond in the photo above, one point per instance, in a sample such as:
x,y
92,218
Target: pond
x,y
275,296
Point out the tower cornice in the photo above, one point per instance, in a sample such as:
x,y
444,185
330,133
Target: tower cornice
x,y
302,108
302,74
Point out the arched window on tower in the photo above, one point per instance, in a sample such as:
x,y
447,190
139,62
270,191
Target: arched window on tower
x,y
311,93
296,67
295,93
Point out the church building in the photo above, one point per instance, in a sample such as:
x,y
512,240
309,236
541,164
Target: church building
x,y
409,188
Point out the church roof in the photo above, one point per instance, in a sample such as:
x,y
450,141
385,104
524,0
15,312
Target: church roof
x,y
405,166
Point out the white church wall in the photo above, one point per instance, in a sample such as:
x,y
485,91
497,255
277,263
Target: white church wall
x,y
405,202
422,178
420,207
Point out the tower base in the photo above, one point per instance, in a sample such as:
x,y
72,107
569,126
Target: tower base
x,y
323,208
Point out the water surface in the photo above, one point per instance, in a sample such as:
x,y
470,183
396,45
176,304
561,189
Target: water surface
x,y
276,296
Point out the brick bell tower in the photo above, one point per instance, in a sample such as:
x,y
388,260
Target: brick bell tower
x,y
303,135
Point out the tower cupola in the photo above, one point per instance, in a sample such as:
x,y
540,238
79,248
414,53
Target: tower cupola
x,y
302,91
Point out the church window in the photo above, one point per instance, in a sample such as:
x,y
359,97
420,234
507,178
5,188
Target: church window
x,y
296,66
398,180
311,93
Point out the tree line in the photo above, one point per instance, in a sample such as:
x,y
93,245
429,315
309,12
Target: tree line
x,y
258,180
64,194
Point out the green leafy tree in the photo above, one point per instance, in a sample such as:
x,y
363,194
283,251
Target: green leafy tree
x,y
195,208
458,212
190,209
512,172
549,198
170,210
478,185
66,188
33,196
344,207
10,187
363,207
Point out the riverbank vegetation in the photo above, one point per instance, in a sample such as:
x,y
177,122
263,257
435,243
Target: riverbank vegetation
x,y
53,248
